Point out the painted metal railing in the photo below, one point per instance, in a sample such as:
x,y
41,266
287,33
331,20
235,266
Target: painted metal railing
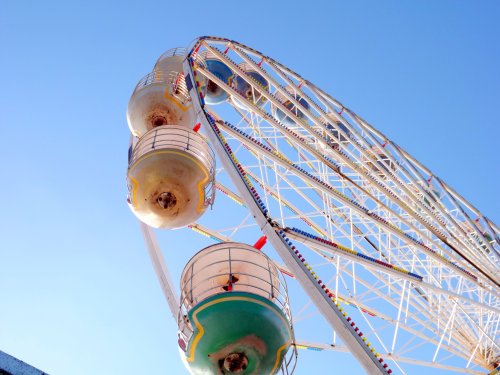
x,y
178,51
175,79
174,137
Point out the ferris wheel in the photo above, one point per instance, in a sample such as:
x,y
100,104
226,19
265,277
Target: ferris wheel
x,y
394,265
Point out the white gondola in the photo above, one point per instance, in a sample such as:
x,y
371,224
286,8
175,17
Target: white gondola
x,y
234,315
246,90
170,177
295,110
214,94
161,97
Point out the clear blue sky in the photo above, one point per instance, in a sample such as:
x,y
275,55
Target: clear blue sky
x,y
77,291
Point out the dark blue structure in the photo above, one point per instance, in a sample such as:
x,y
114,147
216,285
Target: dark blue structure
x,y
13,366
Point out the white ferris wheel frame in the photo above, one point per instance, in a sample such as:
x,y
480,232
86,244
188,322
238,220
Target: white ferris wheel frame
x,y
461,271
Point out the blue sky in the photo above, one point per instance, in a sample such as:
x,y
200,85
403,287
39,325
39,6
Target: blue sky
x,y
77,291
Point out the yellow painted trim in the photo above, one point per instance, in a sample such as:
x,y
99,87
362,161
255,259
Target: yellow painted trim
x,y
135,184
201,194
201,330
278,355
175,101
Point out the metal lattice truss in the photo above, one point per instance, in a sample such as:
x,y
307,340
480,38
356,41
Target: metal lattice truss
x,y
415,262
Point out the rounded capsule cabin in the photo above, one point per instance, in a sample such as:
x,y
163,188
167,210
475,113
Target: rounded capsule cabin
x,y
424,194
247,90
379,162
433,195
337,131
234,316
171,60
489,239
213,93
161,97
293,109
170,177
